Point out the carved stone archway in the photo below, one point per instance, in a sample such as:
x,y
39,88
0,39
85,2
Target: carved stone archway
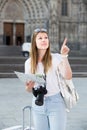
x,y
31,13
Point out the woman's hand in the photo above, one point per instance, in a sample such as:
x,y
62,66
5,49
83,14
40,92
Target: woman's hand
x,y
29,86
65,67
64,49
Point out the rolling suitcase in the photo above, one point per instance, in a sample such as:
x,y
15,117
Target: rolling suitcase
x,y
29,108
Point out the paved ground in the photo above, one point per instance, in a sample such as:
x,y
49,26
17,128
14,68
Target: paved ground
x,y
13,97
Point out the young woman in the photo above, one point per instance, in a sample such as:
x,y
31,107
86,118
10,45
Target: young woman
x,y
52,114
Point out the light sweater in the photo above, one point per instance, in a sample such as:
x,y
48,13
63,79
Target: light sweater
x,y
51,77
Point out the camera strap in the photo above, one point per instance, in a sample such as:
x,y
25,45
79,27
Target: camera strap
x,y
45,79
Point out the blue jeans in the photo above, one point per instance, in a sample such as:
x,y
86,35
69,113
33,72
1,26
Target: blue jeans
x,y
50,116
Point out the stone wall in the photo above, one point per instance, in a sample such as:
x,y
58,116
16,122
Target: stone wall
x,y
47,13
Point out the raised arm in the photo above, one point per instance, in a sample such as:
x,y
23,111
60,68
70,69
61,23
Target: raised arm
x,y
65,67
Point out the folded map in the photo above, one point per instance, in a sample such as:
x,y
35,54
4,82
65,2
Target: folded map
x,y
30,77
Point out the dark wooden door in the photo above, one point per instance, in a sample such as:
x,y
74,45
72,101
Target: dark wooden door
x,y
8,33
13,33
19,33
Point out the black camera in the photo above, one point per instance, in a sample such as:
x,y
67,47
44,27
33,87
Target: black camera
x,y
39,93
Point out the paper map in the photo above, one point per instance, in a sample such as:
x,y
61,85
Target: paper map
x,y
27,77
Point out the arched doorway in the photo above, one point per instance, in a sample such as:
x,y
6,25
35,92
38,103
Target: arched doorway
x,y
13,24
13,33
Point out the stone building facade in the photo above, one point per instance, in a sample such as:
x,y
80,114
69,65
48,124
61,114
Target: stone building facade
x,y
62,18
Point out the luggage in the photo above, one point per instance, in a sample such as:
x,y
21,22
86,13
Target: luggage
x,y
29,120
29,108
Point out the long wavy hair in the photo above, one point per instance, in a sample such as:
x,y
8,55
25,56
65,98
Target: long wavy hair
x,y
47,59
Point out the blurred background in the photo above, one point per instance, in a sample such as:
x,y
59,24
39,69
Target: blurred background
x,y
62,18
18,19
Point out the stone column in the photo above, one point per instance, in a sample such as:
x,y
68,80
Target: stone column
x,y
82,27
14,33
54,25
1,33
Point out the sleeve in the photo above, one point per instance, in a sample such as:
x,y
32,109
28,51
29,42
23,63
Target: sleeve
x,y
58,58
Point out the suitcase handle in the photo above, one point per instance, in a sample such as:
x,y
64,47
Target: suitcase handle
x,y
26,107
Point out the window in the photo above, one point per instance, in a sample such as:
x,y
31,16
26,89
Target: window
x,y
64,8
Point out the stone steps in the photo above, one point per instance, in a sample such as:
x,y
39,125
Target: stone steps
x,y
80,74
10,50
16,63
78,60
5,68
20,67
10,64
79,66
11,59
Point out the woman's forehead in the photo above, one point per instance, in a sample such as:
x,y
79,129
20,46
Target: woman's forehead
x,y
41,34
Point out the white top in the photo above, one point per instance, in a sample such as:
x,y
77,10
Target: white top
x,y
51,77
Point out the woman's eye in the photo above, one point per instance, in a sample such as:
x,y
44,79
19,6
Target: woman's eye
x,y
46,37
43,38
39,38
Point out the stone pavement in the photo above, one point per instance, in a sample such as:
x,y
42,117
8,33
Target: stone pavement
x,y
13,97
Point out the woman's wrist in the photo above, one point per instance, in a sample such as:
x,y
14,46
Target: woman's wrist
x,y
64,56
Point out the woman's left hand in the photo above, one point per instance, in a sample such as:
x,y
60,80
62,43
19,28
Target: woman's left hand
x,y
64,49
65,67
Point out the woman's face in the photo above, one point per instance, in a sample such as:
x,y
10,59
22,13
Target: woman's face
x,y
42,41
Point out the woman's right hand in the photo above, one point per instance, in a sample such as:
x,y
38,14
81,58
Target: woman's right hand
x,y
29,86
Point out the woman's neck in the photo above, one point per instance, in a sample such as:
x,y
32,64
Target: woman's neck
x,y
41,55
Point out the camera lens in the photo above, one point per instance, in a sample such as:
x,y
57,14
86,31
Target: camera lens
x,y
39,100
39,93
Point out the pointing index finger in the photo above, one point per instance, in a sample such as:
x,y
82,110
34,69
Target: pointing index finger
x,y
65,41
